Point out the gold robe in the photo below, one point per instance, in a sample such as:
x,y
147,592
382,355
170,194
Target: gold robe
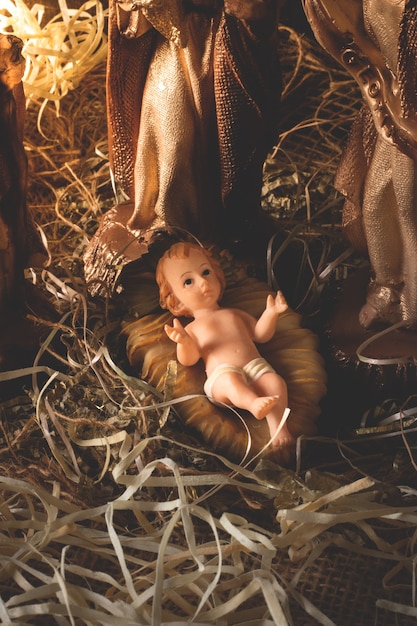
x,y
377,174
193,94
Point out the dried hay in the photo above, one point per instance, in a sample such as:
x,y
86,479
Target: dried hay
x,y
59,51
108,511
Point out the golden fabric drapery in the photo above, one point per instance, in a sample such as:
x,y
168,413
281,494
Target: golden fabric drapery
x,y
374,40
193,94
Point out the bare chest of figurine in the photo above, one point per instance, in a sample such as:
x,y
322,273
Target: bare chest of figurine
x,y
224,336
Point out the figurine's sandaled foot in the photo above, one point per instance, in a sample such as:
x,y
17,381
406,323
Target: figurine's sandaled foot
x,y
368,316
382,307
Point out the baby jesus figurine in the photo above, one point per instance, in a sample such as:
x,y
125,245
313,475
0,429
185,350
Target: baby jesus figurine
x,y
191,283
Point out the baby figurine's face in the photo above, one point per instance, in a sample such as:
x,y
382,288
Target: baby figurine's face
x,y
193,281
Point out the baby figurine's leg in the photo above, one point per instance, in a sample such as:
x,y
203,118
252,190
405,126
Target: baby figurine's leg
x,y
273,385
231,388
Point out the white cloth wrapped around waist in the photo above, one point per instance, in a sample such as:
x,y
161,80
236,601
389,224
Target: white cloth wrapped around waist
x,y
249,372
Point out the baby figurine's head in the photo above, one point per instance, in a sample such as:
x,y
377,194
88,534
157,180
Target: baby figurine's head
x,y
200,261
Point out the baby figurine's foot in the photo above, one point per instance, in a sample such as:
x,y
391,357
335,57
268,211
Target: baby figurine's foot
x,y
283,439
282,448
261,406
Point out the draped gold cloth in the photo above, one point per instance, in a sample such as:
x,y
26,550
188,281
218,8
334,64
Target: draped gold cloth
x,y
376,40
193,94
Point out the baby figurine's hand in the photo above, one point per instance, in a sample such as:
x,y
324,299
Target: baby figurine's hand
x,y
278,304
177,332
187,348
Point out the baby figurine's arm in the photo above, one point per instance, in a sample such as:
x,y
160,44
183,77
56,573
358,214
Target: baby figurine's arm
x,y
265,326
187,349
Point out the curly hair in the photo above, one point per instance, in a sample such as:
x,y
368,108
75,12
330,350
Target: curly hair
x,y
182,250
